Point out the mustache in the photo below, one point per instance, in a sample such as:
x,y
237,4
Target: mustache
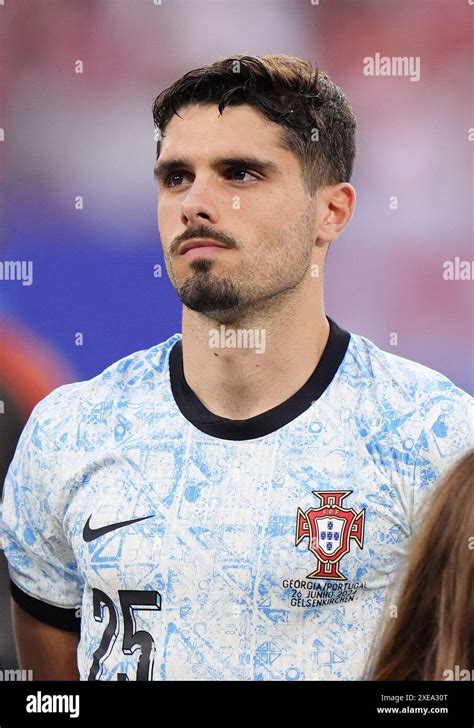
x,y
202,232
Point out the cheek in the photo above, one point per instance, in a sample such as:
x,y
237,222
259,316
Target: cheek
x,y
275,210
164,216
263,215
160,212
273,223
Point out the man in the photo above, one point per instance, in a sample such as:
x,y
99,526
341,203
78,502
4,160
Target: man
x,y
233,503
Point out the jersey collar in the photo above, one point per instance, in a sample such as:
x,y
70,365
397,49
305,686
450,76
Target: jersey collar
x,y
266,422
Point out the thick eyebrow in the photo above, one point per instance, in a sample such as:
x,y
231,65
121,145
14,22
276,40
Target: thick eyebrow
x,y
264,166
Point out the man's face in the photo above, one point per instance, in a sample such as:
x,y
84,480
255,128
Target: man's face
x,y
258,208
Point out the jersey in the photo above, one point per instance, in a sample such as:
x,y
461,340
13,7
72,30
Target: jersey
x,y
185,546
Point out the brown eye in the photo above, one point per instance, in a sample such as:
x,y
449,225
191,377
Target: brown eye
x,y
241,172
174,179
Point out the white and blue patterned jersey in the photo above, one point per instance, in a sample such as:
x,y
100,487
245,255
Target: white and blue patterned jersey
x,y
183,545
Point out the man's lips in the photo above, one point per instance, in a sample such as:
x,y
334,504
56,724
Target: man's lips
x,y
200,243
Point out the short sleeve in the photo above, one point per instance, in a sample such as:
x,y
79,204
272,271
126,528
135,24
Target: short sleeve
x,y
44,579
447,435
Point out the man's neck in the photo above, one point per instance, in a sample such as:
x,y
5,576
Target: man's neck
x,y
235,381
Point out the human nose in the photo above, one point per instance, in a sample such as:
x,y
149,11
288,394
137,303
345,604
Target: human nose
x,y
199,203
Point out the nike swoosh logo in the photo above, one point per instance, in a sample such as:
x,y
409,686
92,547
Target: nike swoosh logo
x,y
90,534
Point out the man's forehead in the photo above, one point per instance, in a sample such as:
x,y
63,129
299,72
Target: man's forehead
x,y
230,114
242,125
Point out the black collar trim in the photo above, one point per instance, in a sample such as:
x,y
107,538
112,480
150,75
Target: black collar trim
x,y
266,422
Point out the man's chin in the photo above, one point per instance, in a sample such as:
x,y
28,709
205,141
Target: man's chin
x,y
216,309
211,298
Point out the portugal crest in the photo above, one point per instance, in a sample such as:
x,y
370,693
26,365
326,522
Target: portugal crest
x,y
330,530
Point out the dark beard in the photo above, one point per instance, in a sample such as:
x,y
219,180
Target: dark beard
x,y
207,294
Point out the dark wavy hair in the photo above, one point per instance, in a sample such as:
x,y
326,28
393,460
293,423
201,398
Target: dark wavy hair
x,y
317,121
434,628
